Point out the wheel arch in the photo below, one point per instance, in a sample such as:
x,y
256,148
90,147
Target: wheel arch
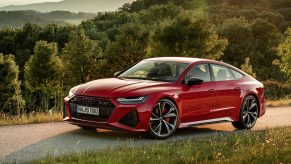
x,y
171,99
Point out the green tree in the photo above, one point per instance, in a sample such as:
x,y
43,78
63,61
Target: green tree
x,y
43,76
49,32
11,101
248,68
266,40
189,34
158,13
284,52
239,35
56,33
29,35
130,47
82,58
8,40
274,18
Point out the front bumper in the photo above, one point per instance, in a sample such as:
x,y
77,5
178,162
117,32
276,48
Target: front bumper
x,y
133,118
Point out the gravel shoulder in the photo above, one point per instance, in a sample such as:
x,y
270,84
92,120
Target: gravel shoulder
x,y
23,143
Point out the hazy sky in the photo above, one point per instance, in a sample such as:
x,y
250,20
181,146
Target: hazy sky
x,y
22,2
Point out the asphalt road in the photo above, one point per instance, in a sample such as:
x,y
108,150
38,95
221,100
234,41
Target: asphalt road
x,y
23,143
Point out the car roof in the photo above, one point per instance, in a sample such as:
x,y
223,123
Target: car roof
x,y
192,60
178,59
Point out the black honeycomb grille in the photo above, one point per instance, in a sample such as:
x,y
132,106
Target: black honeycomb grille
x,y
105,108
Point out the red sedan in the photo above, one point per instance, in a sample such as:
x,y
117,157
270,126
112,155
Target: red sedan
x,y
159,95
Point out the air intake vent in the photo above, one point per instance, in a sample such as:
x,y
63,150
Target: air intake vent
x,y
130,119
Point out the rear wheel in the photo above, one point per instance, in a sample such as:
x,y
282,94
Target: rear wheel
x,y
248,114
164,119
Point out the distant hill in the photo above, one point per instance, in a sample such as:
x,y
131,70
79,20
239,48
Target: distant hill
x,y
18,18
92,6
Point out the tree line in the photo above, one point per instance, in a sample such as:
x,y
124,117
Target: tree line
x,y
38,64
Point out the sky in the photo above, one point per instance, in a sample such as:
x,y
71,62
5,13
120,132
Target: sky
x,y
22,2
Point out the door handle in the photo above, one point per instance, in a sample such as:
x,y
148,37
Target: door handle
x,y
211,91
237,88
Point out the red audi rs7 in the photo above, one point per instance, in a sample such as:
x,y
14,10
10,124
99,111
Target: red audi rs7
x,y
159,95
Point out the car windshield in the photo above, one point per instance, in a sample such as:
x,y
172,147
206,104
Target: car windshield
x,y
155,70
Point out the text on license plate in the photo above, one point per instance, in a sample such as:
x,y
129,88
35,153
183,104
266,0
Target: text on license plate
x,y
88,110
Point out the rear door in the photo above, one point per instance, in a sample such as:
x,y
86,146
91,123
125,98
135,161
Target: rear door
x,y
228,91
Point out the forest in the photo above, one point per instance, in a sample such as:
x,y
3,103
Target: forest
x,y
39,64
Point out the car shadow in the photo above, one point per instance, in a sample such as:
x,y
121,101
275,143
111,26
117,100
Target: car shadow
x,y
80,140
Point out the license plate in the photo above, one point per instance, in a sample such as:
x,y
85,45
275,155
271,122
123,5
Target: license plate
x,y
88,110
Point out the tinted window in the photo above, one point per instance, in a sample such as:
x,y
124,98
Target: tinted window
x,y
221,73
155,70
236,74
201,71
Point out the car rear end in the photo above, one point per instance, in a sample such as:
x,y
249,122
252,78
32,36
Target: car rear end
x,y
262,100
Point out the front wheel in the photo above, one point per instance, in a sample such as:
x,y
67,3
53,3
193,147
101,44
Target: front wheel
x,y
248,114
164,119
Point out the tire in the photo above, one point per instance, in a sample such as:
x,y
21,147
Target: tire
x,y
248,114
164,119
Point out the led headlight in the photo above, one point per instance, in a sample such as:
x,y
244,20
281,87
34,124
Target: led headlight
x,y
132,100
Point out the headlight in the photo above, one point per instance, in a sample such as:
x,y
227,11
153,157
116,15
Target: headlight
x,y
71,94
132,100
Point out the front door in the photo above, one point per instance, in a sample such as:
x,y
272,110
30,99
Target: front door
x,y
198,100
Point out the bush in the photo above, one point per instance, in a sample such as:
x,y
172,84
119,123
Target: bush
x,y
276,90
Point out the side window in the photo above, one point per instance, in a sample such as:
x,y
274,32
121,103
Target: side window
x,y
201,71
221,73
180,69
237,74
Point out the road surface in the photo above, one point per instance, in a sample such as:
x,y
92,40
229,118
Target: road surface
x,y
23,143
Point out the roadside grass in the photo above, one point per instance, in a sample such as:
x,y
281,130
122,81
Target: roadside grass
x,y
267,146
279,103
30,119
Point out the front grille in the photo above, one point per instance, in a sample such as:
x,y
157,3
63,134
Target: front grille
x,y
105,108
130,119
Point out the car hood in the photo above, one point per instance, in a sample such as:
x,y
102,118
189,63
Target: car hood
x,y
115,87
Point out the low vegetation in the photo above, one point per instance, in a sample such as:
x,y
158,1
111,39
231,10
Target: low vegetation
x,y
268,146
279,103
30,119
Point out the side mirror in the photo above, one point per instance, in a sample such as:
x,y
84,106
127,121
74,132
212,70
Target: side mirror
x,y
193,81
116,73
